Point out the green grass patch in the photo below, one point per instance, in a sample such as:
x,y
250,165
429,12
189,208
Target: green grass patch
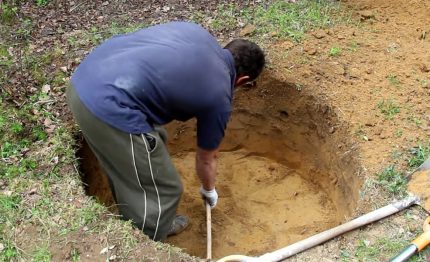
x,y
8,12
41,2
393,80
9,252
42,254
384,249
335,51
393,181
280,19
419,155
388,108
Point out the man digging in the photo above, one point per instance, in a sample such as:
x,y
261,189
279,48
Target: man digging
x,y
130,85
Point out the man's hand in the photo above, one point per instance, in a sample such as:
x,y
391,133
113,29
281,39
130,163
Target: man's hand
x,y
209,195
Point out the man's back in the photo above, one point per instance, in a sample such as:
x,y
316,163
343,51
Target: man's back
x,y
152,76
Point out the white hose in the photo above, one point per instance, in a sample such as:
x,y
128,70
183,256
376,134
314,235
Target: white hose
x,y
326,235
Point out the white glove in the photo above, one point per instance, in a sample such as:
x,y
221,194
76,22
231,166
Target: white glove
x,y
211,196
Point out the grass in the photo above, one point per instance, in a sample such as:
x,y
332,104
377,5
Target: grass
x,y
388,108
383,249
280,18
419,155
335,51
8,12
393,80
393,181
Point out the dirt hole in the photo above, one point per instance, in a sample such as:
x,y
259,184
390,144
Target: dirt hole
x,y
287,170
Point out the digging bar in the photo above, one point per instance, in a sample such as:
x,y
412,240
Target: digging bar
x,y
209,231
328,234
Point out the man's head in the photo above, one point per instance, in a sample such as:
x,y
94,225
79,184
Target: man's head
x,y
248,59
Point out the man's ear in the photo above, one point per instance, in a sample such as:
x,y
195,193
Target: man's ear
x,y
241,80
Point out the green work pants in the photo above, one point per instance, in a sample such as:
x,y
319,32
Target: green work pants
x,y
143,179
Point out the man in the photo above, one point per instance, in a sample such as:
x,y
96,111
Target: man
x,y
132,84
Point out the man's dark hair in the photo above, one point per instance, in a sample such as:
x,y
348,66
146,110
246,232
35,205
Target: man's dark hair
x,y
248,58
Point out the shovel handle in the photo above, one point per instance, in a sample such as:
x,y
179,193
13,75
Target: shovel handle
x,y
423,240
209,231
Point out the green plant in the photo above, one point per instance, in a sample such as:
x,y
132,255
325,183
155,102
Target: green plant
x,y
9,253
398,133
388,108
75,255
39,134
365,250
41,2
16,128
286,20
393,181
8,13
335,51
393,80
353,46
225,18
419,155
25,30
5,57
414,119
42,254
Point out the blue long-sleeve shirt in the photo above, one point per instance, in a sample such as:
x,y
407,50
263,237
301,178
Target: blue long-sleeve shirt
x,y
173,71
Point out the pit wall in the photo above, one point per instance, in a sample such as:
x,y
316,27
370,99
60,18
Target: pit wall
x,y
294,128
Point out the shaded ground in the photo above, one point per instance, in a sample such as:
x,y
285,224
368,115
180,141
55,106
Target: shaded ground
x,y
372,77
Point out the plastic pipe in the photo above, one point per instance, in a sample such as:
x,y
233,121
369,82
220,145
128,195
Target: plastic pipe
x,y
329,234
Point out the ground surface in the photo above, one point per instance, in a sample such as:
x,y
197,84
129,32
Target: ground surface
x,y
349,101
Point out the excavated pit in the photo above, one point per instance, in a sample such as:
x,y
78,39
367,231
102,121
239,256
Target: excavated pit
x,y
287,170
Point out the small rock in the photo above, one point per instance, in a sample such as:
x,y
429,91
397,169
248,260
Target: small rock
x,y
32,191
355,72
47,122
384,135
371,121
166,9
104,250
424,67
274,34
46,89
338,69
1,247
113,257
366,14
105,3
63,69
249,29
7,193
319,34
331,130
310,50
378,131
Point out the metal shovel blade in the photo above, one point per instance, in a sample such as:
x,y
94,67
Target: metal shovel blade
x,y
419,184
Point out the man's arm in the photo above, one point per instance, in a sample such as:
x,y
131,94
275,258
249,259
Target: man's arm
x,y
206,167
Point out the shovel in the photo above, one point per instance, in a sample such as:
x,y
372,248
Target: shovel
x,y
419,184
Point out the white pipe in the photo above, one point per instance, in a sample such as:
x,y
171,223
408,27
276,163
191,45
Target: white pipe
x,y
328,234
